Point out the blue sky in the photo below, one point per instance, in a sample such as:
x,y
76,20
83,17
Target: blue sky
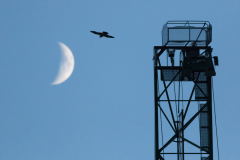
x,y
105,110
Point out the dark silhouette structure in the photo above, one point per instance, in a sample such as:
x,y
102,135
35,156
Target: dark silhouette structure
x,y
189,63
102,34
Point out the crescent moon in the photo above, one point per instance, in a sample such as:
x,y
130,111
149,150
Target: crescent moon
x,y
66,65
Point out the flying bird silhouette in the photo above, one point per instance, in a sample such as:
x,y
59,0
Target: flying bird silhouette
x,y
102,34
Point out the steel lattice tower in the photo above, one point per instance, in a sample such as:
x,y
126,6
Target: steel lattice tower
x,y
189,62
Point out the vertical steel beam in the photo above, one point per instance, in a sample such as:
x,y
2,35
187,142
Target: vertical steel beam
x,y
209,105
156,105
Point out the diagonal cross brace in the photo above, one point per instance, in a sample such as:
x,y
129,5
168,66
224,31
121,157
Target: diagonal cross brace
x,y
182,129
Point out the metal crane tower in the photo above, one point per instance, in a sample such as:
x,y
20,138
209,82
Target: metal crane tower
x,y
183,91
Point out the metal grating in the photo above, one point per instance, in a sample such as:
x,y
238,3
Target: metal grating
x,y
205,108
204,158
168,73
202,77
204,137
204,120
201,93
204,128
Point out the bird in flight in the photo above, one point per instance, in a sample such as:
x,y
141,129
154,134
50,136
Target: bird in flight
x,y
102,34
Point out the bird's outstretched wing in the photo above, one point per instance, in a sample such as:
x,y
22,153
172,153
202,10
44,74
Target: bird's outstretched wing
x,y
108,36
95,32
105,33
